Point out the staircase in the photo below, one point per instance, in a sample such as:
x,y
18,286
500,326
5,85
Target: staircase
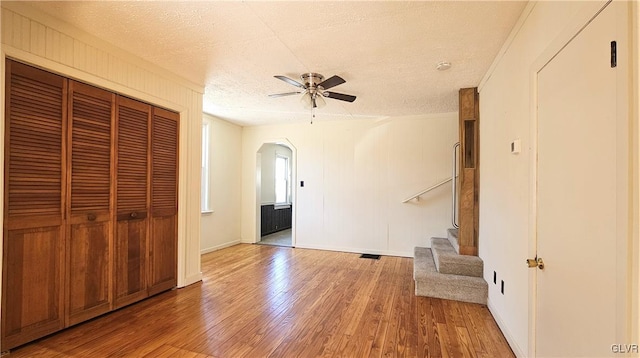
x,y
441,272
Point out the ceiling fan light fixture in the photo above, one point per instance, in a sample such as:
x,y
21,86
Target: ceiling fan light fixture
x,y
320,102
305,99
310,96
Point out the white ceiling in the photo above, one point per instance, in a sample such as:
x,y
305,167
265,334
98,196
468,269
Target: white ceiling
x,y
387,51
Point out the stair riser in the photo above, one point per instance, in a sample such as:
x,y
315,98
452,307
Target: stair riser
x,y
461,269
447,261
431,283
452,236
428,288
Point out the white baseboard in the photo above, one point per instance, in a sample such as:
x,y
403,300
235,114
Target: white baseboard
x,y
356,250
507,334
219,247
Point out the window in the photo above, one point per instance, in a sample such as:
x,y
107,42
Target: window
x,y
282,179
204,193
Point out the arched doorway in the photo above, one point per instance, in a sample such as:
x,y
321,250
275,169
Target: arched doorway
x,y
275,193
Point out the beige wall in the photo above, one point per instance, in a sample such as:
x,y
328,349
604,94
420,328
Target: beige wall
x,y
356,174
507,196
221,227
38,39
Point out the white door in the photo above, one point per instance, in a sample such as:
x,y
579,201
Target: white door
x,y
576,196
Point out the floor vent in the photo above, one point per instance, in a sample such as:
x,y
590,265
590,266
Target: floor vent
x,y
370,256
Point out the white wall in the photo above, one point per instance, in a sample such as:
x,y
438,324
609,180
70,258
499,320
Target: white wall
x,y
506,180
35,38
221,227
268,152
356,174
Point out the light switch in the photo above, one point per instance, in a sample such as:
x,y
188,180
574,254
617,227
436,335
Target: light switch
x,y
516,146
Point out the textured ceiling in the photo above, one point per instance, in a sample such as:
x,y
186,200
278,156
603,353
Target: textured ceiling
x,y
387,51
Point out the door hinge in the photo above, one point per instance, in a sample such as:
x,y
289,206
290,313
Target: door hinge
x,y
614,55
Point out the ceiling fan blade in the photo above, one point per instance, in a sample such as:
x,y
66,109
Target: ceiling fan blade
x,y
331,82
283,94
290,81
340,96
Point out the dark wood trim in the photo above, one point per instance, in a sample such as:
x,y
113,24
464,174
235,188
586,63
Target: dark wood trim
x,y
469,124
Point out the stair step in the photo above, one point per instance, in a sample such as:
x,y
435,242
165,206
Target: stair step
x,y
452,235
448,261
431,283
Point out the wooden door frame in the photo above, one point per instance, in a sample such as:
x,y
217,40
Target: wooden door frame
x,y
625,307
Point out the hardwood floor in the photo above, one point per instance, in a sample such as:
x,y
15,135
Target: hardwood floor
x,y
267,301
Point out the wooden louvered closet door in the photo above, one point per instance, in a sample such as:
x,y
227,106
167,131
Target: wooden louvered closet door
x,y
34,201
164,200
90,203
89,242
132,200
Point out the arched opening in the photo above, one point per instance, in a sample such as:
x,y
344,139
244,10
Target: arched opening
x,y
276,193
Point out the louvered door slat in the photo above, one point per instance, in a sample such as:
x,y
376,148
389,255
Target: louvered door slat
x,y
133,122
34,100
35,146
32,284
164,146
91,148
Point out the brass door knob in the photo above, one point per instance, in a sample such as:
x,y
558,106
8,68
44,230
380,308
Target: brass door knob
x,y
537,262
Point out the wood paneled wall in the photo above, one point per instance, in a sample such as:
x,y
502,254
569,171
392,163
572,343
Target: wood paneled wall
x,y
356,175
41,40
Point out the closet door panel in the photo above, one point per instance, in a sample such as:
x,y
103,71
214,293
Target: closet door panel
x,y
131,252
164,200
89,243
132,200
89,281
32,282
163,254
32,302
